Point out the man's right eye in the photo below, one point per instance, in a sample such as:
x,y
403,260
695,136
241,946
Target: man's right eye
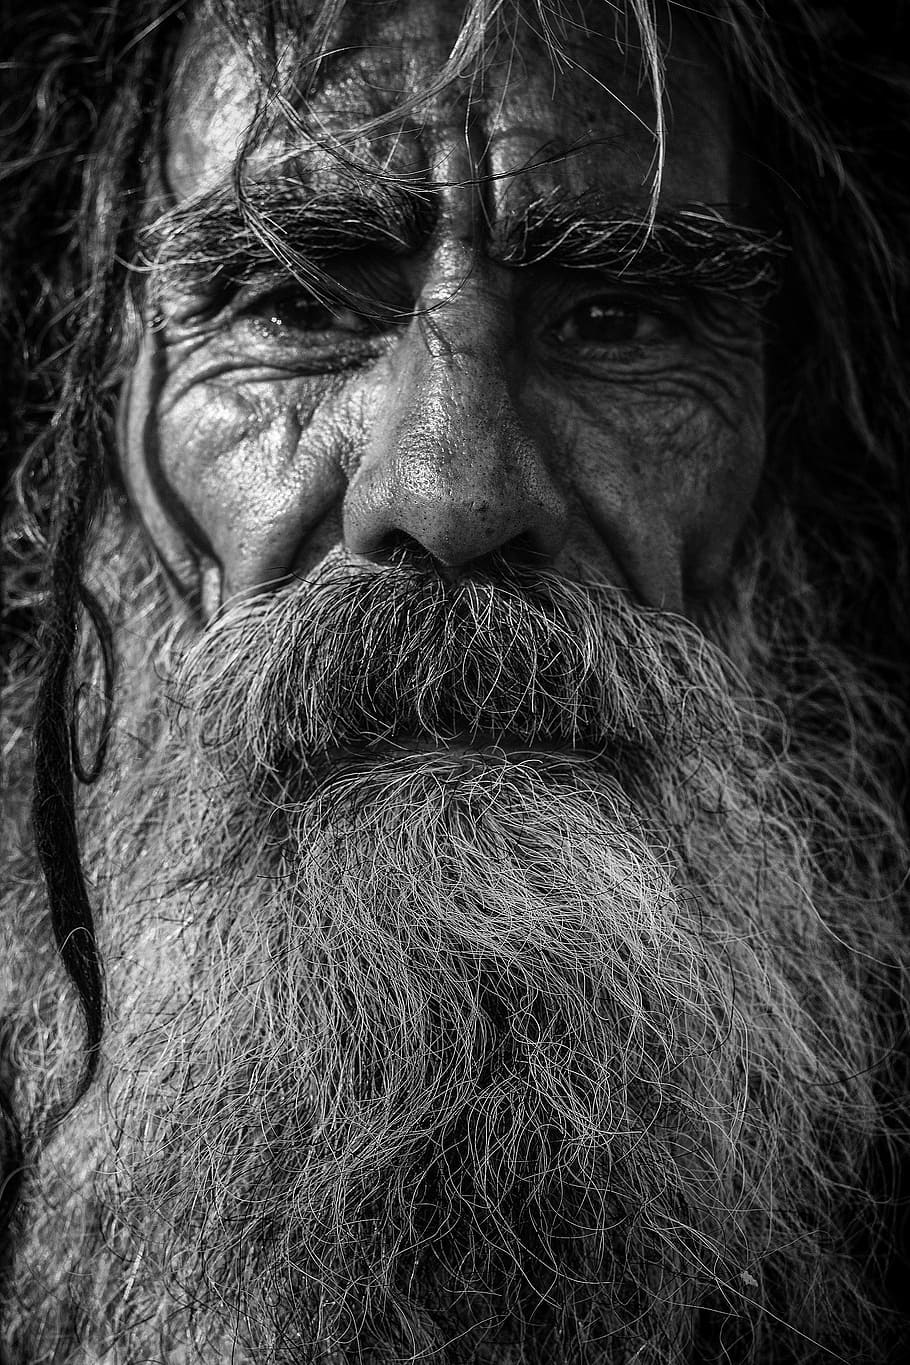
x,y
279,316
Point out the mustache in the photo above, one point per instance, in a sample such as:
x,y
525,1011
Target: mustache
x,y
358,657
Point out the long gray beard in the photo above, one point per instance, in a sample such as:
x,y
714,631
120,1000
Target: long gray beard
x,y
478,995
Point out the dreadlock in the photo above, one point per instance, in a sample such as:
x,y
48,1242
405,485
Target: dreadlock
x,y
70,461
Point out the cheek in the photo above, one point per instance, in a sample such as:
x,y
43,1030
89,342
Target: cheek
x,y
722,492
237,474
667,475
233,462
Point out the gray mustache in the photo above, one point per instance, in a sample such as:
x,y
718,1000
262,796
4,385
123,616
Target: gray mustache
x,y
356,657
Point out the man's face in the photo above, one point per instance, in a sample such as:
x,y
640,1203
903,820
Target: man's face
x,y
506,374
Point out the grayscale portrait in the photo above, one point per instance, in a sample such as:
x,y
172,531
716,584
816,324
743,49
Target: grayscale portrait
x,y
455,898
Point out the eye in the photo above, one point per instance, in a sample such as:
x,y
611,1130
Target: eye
x,y
280,315
612,322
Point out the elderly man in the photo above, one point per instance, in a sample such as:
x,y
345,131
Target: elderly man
x,y
454,703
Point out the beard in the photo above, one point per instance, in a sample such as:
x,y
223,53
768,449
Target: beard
x,y
490,980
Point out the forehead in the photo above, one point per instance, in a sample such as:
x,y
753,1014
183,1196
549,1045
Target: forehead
x,y
524,121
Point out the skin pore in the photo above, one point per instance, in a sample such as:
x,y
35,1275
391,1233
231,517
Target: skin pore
x,y
470,393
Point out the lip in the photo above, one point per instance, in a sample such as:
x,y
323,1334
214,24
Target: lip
x,y
487,746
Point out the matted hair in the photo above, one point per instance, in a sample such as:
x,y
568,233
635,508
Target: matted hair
x,y
821,95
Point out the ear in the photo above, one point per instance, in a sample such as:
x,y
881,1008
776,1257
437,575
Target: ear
x,y
172,530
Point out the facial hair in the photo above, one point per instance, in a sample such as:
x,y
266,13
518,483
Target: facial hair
x,y
479,993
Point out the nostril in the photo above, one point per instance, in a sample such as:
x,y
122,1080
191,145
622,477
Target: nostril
x,y
527,551
406,551
396,546
397,549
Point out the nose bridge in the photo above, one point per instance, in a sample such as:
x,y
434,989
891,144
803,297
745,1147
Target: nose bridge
x,y
454,375
464,310
450,462
457,400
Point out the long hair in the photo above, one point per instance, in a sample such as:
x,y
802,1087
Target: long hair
x,y
821,95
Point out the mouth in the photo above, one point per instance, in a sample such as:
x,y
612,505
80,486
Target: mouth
x,y
462,751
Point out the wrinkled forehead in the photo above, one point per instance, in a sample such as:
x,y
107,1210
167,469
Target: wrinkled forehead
x,y
528,115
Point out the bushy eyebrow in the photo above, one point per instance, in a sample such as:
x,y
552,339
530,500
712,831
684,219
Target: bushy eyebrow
x,y
219,236
694,246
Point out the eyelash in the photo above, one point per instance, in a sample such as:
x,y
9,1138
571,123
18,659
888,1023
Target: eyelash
x,y
308,334
268,312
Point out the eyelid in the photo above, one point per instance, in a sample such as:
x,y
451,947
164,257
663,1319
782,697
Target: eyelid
x,y
666,310
369,283
557,291
267,316
376,314
320,346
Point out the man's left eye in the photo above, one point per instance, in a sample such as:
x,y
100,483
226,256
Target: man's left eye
x,y
606,322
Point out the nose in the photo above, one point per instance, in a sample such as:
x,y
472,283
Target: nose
x,y
450,463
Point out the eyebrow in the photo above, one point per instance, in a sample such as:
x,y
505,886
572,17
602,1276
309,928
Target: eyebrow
x,y
220,233
692,246
220,236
